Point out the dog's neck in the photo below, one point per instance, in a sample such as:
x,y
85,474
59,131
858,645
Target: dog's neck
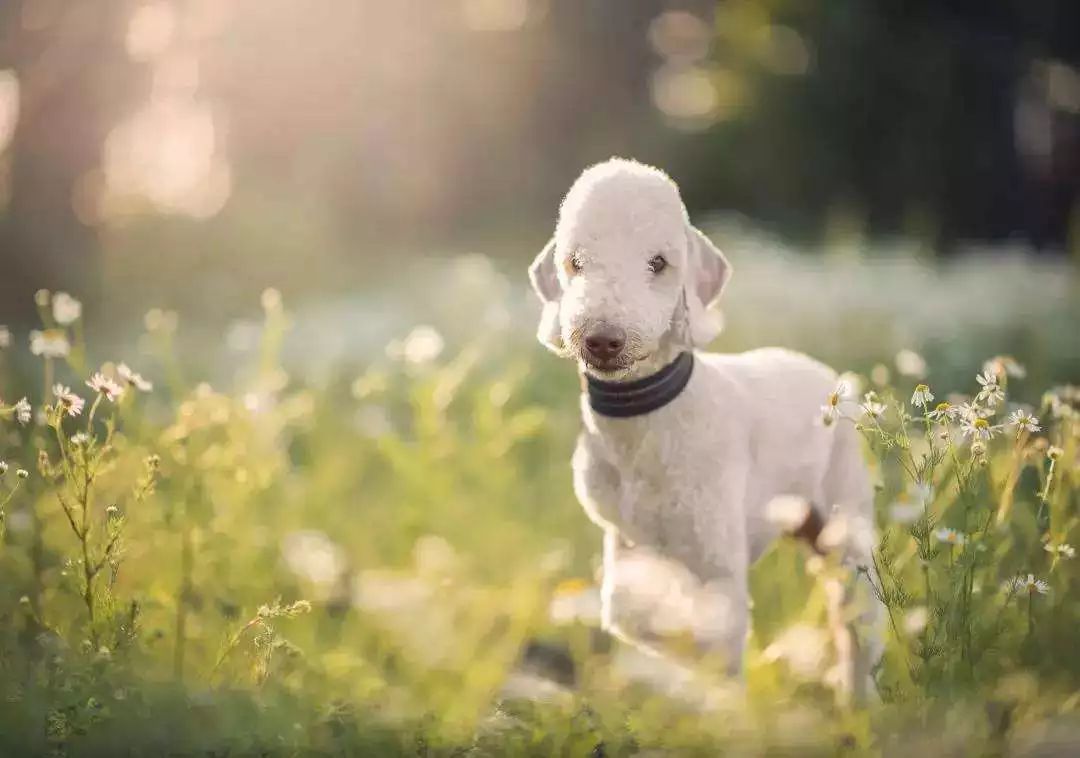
x,y
641,394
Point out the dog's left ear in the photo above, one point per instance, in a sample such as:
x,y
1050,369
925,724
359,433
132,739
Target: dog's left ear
x,y
707,273
545,281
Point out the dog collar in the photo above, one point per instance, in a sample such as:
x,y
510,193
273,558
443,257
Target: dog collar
x,y
640,396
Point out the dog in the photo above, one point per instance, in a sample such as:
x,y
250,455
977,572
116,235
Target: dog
x,y
683,453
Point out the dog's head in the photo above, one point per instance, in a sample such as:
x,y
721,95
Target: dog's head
x,y
626,280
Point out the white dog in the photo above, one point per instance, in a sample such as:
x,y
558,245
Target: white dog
x,y
682,452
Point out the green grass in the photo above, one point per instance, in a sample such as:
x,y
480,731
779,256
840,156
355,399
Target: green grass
x,y
354,565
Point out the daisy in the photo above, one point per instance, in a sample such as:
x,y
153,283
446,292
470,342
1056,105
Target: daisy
x,y
922,396
105,386
872,407
905,513
69,402
1005,365
3,468
5,337
22,411
831,410
910,363
979,428
79,439
133,379
66,309
943,412
1024,422
1064,550
1030,585
991,393
950,536
51,343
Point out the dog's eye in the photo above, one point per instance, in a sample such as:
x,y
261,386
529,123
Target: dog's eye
x,y
574,263
657,264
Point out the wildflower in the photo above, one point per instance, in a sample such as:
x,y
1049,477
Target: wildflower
x,y
422,345
1005,365
271,299
66,309
3,468
69,402
943,412
873,407
51,343
910,363
1024,422
105,386
1062,550
950,536
5,337
112,511
879,374
979,429
916,619
1030,585
991,393
831,410
22,473
1054,453
905,513
79,439
22,411
922,396
133,379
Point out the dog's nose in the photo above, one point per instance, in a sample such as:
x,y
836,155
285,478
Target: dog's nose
x,y
604,342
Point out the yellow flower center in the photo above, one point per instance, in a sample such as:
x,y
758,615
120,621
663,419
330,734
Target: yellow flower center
x,y
981,423
942,407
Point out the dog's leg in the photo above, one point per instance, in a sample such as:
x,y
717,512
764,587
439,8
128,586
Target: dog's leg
x,y
856,615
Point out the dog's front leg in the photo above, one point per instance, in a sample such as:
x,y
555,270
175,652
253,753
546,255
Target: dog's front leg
x,y
719,556
599,488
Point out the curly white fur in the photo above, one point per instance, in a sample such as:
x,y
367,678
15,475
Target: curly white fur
x,y
684,490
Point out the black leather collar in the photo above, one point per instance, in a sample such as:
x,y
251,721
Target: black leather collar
x,y
641,396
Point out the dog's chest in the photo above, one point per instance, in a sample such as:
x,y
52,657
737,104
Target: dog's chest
x,y
655,492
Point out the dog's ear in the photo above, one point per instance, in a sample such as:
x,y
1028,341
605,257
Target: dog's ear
x,y
707,273
545,281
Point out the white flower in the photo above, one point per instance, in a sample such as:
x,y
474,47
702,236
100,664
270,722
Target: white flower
x,y
831,410
79,439
51,343
133,379
1063,550
575,600
915,620
910,363
5,337
3,468
991,393
312,555
872,406
1005,365
69,402
905,513
978,429
1024,421
105,386
950,536
789,512
66,309
944,412
23,411
1030,585
922,396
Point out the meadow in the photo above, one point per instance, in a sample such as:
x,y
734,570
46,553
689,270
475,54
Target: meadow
x,y
342,531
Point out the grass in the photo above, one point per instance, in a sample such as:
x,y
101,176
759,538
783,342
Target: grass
x,y
357,565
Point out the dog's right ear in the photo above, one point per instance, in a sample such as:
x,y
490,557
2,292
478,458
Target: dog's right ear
x,y
545,281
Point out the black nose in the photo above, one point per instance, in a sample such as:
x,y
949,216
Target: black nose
x,y
604,342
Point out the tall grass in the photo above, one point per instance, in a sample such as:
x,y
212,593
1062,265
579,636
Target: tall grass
x,y
392,563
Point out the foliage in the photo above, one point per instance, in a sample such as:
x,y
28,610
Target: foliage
x,y
395,565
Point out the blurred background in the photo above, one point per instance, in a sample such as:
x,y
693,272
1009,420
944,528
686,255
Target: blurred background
x,y
903,170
